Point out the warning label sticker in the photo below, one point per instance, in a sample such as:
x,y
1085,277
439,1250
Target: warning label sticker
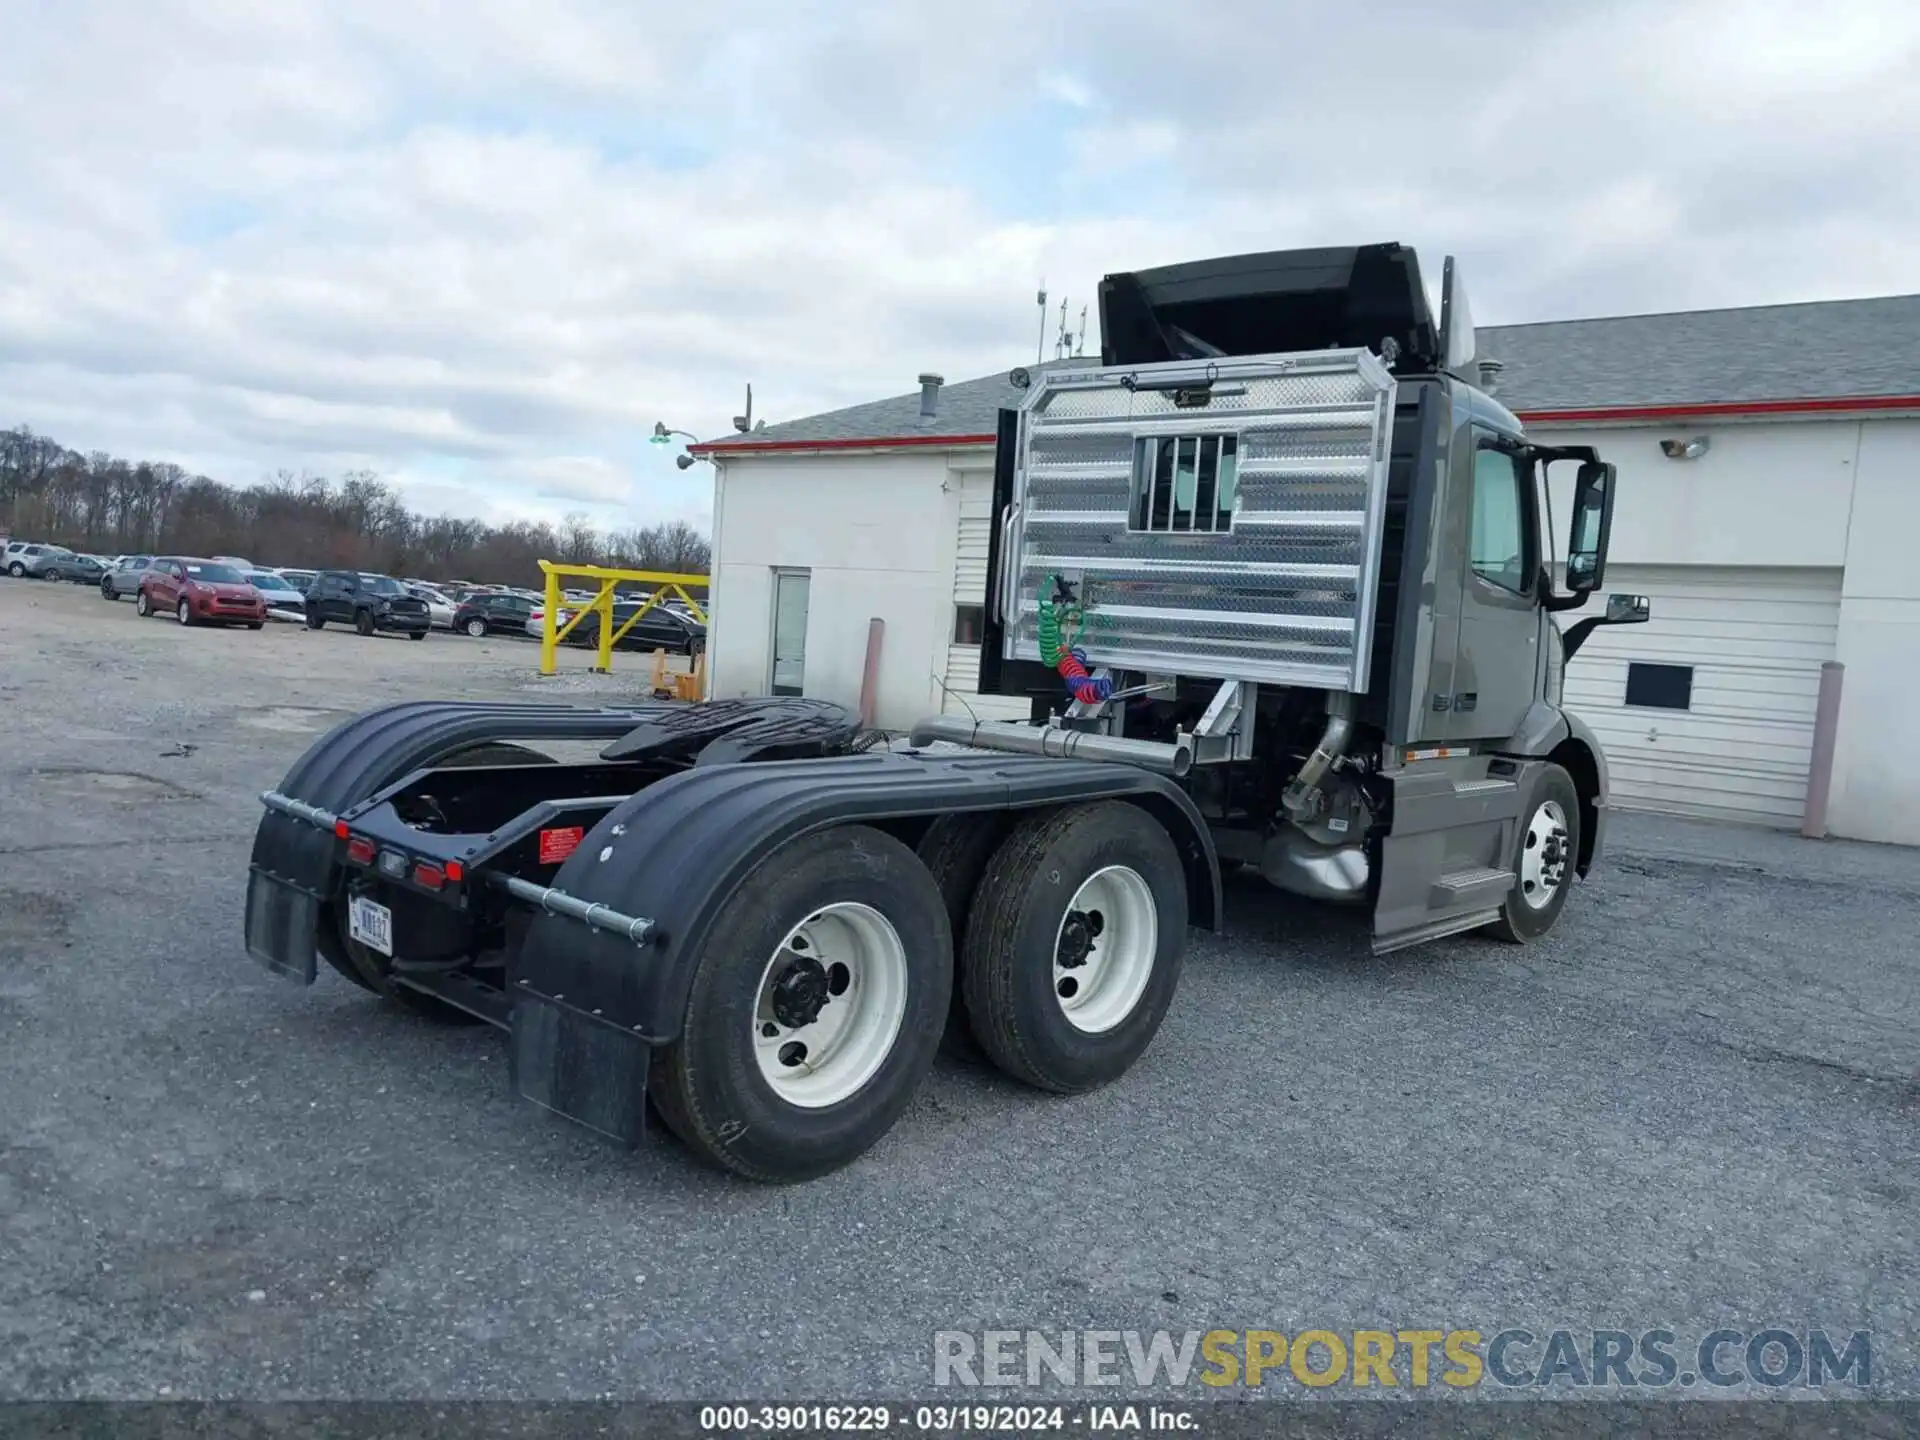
x,y
557,845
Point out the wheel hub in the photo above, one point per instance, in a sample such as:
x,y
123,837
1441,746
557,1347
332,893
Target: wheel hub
x,y
1076,940
801,992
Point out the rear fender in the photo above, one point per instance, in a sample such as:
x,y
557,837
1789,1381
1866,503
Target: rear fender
x,y
295,871
679,852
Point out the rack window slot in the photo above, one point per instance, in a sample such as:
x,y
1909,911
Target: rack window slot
x,y
1184,484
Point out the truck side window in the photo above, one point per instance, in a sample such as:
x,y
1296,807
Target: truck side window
x,y
1497,547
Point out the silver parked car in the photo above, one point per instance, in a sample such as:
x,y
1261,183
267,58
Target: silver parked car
x,y
24,559
124,578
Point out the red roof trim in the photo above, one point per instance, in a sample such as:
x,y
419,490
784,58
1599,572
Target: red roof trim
x,y
1826,405
879,442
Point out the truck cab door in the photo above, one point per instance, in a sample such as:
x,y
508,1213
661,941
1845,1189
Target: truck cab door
x,y
1497,664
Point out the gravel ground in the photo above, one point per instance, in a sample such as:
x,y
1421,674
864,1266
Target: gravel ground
x,y
1693,1106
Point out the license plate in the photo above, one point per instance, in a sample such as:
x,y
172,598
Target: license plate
x,y
371,923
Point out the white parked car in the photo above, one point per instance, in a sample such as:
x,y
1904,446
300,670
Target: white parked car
x,y
283,601
440,607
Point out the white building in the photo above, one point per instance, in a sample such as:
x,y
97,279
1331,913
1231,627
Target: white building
x,y
1789,541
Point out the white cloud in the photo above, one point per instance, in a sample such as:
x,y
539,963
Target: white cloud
x,y
483,247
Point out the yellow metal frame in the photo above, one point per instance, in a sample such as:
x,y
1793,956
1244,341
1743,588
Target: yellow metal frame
x,y
662,582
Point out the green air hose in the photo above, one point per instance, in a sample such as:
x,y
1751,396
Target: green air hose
x,y
1059,655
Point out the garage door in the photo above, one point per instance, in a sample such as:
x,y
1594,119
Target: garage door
x,y
962,694
1707,709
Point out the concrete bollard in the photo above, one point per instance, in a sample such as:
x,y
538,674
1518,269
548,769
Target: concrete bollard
x,y
1826,723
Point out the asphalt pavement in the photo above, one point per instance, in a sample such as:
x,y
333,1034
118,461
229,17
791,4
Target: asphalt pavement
x,y
1693,1106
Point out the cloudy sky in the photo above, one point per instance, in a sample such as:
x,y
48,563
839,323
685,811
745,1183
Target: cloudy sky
x,y
480,246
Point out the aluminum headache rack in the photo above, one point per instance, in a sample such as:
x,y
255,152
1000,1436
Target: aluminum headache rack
x,y
1209,518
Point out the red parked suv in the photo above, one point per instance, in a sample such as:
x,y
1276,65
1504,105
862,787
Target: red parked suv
x,y
200,592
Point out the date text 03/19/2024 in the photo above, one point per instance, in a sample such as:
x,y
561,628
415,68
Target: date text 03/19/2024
x,y
945,1419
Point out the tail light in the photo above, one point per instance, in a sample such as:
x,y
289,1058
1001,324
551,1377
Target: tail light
x,y
429,875
360,850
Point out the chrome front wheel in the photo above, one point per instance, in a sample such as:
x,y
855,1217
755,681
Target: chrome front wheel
x,y
1543,855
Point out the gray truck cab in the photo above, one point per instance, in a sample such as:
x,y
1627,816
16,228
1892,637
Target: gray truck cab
x,y
1279,545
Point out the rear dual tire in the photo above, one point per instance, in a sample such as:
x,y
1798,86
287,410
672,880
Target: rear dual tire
x,y
1074,945
849,918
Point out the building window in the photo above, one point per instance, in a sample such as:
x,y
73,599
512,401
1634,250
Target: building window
x,y
969,624
1659,687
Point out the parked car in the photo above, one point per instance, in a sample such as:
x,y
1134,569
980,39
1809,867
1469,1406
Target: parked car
x,y
124,578
493,613
301,580
440,607
283,601
199,592
25,560
659,629
537,618
366,602
76,569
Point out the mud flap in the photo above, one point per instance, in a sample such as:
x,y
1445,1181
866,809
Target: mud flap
x,y
282,920
575,1065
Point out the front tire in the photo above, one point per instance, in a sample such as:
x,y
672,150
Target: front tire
x,y
363,622
315,620
416,635
107,591
767,1080
1074,945
1544,859
17,570
183,612
477,628
256,624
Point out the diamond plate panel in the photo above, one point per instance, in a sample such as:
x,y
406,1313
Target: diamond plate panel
x,y
1118,485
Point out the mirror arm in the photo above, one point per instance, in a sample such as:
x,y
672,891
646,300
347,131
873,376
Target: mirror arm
x,y
1575,635
1553,602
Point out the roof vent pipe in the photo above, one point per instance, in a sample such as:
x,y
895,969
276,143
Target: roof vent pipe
x,y
1490,369
930,395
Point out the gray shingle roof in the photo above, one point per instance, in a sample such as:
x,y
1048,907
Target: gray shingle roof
x,y
1821,350
1825,350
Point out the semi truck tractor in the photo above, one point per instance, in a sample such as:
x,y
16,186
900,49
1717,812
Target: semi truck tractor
x,y
1278,581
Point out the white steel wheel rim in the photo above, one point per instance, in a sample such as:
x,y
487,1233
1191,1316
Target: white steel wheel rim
x,y
832,1001
1104,950
1543,855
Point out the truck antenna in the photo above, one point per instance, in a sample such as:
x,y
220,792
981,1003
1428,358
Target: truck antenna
x,y
1040,350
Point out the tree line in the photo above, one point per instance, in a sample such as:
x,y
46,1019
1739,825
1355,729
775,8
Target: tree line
x,y
97,503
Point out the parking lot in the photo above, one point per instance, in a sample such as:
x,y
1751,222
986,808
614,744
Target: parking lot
x,y
1693,1106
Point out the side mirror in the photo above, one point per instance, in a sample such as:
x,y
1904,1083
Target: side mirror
x,y
1628,610
1621,610
1592,525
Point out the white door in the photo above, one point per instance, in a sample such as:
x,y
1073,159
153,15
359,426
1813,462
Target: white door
x,y
1707,709
790,594
961,694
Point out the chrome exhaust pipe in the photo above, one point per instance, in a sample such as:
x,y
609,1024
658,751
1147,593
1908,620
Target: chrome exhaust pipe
x,y
1173,760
